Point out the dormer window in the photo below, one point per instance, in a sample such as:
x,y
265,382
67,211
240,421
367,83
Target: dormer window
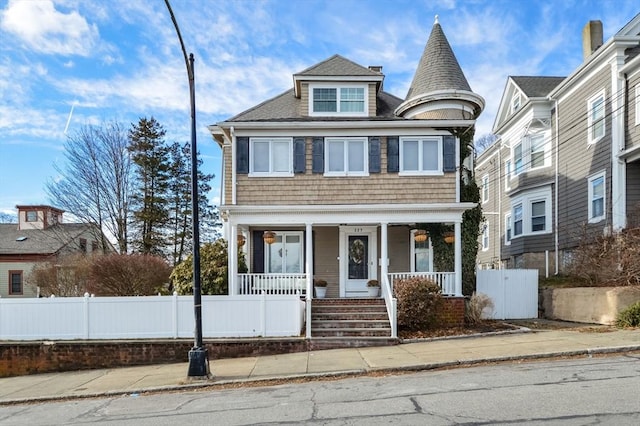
x,y
335,100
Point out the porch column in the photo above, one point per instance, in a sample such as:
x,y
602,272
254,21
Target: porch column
x,y
384,253
458,257
232,261
309,269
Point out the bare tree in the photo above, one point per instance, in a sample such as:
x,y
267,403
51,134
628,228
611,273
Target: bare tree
x,y
484,142
95,182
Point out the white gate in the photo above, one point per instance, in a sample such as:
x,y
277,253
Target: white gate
x,y
514,292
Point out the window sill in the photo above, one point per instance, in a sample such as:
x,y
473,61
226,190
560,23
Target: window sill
x,y
338,174
596,219
428,173
270,175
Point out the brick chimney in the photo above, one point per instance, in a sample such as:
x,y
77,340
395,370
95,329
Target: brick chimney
x,y
591,38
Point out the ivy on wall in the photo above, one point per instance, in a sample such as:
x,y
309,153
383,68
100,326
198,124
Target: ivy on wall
x,y
443,253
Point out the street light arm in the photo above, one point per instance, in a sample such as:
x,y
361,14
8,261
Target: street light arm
x,y
184,51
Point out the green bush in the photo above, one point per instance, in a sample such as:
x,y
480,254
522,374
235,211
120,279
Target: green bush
x,y
214,277
629,317
419,303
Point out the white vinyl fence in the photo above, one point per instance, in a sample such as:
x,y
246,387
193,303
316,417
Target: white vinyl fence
x,y
68,318
514,292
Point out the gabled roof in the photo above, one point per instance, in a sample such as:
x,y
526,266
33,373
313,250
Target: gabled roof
x,y
337,66
531,87
438,68
285,107
38,241
536,86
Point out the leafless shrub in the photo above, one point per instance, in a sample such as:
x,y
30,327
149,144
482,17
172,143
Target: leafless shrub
x,y
476,305
129,275
65,276
608,260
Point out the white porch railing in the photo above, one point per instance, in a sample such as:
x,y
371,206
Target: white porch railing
x,y
392,305
272,283
446,280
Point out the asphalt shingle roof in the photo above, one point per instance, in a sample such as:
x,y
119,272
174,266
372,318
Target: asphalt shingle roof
x,y
338,66
37,241
438,68
536,86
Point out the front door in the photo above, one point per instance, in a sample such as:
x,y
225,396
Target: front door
x,y
357,259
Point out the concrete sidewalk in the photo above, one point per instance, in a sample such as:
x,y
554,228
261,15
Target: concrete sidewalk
x,y
420,355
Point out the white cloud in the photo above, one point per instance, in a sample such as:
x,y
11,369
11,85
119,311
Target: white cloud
x,y
44,29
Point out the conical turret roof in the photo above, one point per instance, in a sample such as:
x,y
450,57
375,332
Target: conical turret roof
x,y
439,78
438,68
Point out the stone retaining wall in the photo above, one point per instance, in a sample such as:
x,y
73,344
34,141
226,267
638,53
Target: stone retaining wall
x,y
594,305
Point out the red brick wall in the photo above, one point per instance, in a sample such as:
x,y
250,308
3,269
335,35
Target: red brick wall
x,y
36,357
452,313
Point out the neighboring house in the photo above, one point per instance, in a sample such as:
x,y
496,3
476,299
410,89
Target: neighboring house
x,y
329,179
567,159
39,236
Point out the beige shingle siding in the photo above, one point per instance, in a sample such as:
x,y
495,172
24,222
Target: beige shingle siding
x,y
226,153
372,100
304,99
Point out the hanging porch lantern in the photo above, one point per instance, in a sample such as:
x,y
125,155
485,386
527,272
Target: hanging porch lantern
x,y
420,235
241,240
449,237
269,237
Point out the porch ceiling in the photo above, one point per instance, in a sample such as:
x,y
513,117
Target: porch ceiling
x,y
360,214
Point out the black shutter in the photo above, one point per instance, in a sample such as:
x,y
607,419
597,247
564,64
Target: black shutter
x,y
449,154
318,155
393,154
299,155
242,154
258,253
374,154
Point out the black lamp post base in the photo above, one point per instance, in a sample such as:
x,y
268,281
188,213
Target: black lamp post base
x,y
199,364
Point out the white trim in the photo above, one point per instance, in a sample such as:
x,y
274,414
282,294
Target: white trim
x,y
508,174
590,180
345,232
637,104
516,103
590,124
412,248
271,156
508,228
345,157
421,172
338,88
526,200
485,188
388,127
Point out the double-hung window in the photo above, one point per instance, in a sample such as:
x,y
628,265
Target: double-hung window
x,y
346,157
347,100
508,229
530,214
485,236
421,155
518,161
515,103
15,282
271,157
517,220
538,216
285,254
485,189
596,119
597,197
536,150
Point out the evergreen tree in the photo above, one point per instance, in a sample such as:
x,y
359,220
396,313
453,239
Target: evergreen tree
x,y
151,160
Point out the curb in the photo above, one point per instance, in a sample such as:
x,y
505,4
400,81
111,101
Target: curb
x,y
265,381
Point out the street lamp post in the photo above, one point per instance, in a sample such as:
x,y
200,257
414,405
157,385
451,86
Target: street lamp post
x,y
198,357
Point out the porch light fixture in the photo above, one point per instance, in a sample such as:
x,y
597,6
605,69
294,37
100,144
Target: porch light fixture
x,y
269,237
241,240
449,237
420,236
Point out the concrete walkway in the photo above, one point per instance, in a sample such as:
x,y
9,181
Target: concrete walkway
x,y
420,355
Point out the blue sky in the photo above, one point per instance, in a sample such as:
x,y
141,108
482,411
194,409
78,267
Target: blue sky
x,y
120,60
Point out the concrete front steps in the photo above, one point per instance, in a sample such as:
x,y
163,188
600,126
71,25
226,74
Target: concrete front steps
x,y
350,322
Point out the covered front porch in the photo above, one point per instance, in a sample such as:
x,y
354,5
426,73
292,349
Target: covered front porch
x,y
288,247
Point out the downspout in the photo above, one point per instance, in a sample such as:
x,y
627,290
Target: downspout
x,y
500,215
234,150
556,181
